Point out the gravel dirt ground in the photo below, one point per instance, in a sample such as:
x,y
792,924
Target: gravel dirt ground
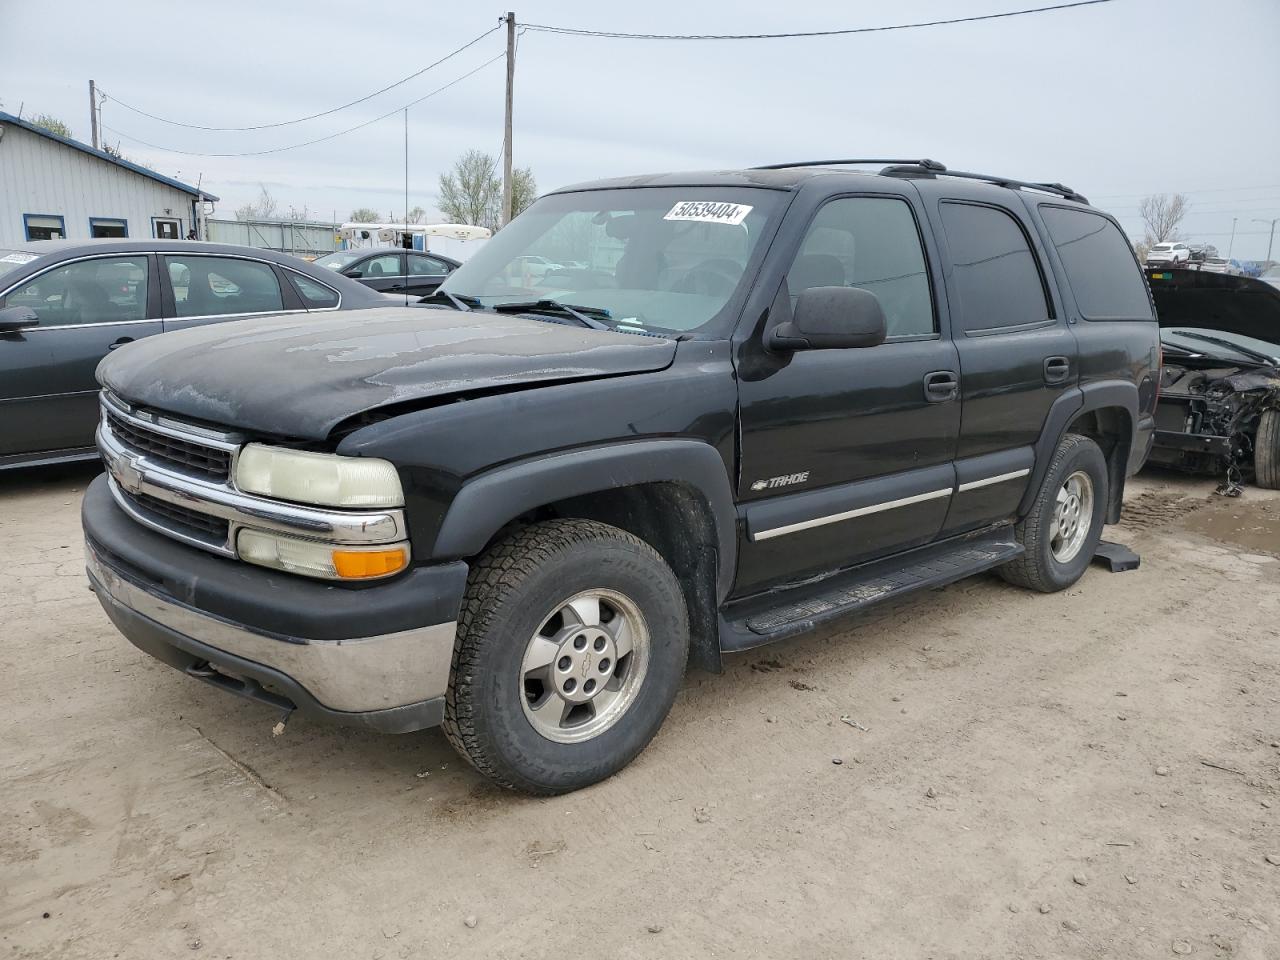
x,y
1090,774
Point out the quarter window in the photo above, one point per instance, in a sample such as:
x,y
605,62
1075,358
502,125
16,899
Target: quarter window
x,y
315,295
1101,270
105,290
996,277
212,286
871,243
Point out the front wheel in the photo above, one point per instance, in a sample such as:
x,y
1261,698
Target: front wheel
x,y
1062,529
571,646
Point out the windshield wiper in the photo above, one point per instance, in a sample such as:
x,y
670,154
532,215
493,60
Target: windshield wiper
x,y
455,301
1234,347
587,316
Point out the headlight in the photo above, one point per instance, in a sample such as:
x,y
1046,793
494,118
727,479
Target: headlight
x,y
320,478
314,559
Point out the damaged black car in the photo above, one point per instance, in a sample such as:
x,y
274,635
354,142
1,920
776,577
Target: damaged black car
x,y
1219,408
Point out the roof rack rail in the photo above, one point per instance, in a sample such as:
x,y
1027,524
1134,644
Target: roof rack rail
x,y
932,165
1059,189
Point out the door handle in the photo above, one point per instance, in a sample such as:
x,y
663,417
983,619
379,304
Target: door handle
x,y
121,342
1056,369
941,386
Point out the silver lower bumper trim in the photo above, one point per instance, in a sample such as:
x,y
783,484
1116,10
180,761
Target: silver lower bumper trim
x,y
357,675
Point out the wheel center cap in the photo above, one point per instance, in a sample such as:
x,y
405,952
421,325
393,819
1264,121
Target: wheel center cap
x,y
584,663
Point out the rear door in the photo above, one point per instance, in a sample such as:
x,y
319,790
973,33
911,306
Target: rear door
x,y
87,308
426,273
1017,354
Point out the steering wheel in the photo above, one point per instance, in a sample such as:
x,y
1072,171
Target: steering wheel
x,y
712,278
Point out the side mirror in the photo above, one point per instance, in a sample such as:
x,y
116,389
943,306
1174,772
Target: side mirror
x,y
831,317
17,318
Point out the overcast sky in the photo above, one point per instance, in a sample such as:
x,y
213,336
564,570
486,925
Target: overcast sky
x,y
1118,100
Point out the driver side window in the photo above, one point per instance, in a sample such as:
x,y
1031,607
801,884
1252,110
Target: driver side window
x,y
871,243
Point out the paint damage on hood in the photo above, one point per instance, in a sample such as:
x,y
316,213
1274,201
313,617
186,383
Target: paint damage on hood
x,y
301,375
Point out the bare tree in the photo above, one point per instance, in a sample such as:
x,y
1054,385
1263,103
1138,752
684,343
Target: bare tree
x,y
470,192
264,208
524,189
416,215
52,124
364,215
1162,214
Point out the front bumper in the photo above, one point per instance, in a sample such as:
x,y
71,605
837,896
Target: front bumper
x,y
377,656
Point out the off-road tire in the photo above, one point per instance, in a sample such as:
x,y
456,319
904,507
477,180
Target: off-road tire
x,y
511,589
1266,451
1037,569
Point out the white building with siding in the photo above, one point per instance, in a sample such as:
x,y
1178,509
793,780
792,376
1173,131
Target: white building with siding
x,y
52,187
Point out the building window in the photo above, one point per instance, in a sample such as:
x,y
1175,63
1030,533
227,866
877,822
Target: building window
x,y
164,228
41,226
104,228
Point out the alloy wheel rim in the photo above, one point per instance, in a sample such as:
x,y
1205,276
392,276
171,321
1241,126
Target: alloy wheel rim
x,y
1072,517
584,666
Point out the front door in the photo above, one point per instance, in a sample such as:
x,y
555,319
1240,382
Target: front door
x,y
384,273
48,394
846,454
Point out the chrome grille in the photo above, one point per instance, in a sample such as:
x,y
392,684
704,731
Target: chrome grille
x,y
191,522
204,461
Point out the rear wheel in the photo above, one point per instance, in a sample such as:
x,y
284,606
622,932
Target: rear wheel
x,y
1062,529
1266,451
572,642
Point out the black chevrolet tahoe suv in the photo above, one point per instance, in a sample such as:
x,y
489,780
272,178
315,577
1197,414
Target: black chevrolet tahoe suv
x,y
724,408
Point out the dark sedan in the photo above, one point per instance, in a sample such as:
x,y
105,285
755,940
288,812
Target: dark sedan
x,y
392,270
65,304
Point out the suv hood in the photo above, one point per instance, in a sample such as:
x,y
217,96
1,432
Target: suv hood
x,y
301,375
1217,301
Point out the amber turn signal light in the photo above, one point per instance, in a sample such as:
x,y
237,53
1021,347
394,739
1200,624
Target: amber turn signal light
x,y
359,565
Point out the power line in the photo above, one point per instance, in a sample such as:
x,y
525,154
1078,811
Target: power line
x,y
1127,196
308,143
313,116
579,32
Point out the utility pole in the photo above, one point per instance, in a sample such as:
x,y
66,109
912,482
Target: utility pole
x,y
93,112
506,141
1273,234
1232,243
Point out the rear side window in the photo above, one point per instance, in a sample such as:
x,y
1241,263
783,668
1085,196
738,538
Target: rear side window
x,y
996,276
212,286
1100,267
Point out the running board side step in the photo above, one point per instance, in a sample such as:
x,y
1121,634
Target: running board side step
x,y
758,620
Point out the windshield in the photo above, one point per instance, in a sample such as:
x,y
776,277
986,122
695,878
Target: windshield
x,y
1163,246
11,260
663,259
336,261
1194,344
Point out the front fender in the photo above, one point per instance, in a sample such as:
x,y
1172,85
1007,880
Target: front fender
x,y
490,500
